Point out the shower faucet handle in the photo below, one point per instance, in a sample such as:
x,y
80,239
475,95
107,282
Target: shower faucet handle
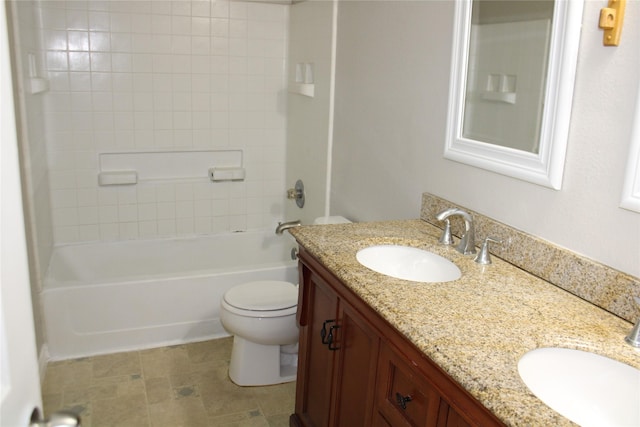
x,y
297,193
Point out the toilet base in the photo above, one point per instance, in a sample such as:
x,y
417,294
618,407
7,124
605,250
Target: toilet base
x,y
255,364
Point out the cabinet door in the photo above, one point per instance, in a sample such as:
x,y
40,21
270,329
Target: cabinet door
x,y
355,374
319,308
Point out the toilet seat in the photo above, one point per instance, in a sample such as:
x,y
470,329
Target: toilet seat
x,y
267,298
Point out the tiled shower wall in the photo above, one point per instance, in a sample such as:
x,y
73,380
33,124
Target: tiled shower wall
x,y
137,76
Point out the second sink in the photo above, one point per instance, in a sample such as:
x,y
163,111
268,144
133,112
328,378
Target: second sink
x,y
589,389
408,263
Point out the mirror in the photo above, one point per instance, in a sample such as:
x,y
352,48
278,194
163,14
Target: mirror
x,y
513,69
631,189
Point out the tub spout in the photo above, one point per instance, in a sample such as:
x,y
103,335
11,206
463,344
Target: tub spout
x,y
287,225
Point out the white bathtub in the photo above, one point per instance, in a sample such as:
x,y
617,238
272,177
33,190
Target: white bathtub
x,y
107,297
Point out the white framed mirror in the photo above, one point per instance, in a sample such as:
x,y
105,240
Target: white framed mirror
x,y
513,71
631,189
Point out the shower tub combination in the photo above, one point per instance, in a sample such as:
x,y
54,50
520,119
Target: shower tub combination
x,y
102,298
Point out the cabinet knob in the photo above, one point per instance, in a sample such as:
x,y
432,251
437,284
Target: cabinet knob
x,y
403,400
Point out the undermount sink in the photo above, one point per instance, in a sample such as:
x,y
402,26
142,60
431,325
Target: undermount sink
x,y
408,263
589,389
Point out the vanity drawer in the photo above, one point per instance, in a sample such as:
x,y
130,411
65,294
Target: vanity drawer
x,y
404,397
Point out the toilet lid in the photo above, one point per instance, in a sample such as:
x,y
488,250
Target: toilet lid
x,y
268,295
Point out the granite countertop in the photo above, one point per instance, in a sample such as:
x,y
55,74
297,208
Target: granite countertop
x,y
477,327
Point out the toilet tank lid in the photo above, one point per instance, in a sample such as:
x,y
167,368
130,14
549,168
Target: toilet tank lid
x,y
266,295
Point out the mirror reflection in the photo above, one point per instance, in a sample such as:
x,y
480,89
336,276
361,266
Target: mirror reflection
x,y
506,72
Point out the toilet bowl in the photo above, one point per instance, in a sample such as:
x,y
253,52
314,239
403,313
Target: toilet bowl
x,y
262,318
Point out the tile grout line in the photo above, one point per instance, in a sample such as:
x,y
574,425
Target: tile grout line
x,y
144,385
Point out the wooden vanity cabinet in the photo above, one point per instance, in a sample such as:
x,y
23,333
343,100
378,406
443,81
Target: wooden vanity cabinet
x,y
354,369
337,370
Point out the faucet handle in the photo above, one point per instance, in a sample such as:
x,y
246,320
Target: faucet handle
x,y
484,256
633,338
446,238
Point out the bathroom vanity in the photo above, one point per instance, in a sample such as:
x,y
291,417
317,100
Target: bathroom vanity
x,y
356,369
379,351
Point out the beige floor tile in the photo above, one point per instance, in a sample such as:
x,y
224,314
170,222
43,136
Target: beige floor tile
x,y
281,420
68,373
185,385
276,399
186,411
162,362
252,418
51,402
224,397
117,364
208,351
120,412
158,390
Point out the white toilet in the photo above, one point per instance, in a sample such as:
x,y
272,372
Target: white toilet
x,y
262,318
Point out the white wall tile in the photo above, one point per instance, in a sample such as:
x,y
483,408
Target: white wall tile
x,y
78,61
166,228
99,21
181,8
147,229
168,75
121,22
77,20
99,41
141,23
66,234
88,215
88,233
201,8
161,7
121,42
128,230
127,213
54,18
220,9
109,231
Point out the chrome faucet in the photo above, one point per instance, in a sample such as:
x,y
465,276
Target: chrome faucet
x,y
634,335
467,244
282,226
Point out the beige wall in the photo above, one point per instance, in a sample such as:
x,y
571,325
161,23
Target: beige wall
x,y
392,86
308,118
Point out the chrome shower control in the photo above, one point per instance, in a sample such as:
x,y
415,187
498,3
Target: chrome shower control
x,y
297,193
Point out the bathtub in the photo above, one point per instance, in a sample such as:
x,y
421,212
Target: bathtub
x,y
102,298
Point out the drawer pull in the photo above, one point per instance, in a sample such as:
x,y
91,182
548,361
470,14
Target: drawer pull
x,y
403,400
330,338
323,331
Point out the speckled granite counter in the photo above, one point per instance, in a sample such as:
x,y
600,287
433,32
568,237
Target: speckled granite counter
x,y
477,327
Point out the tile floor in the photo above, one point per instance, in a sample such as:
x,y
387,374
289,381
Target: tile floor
x,y
184,385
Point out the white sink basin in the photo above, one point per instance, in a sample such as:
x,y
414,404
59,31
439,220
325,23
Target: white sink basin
x,y
405,262
587,388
